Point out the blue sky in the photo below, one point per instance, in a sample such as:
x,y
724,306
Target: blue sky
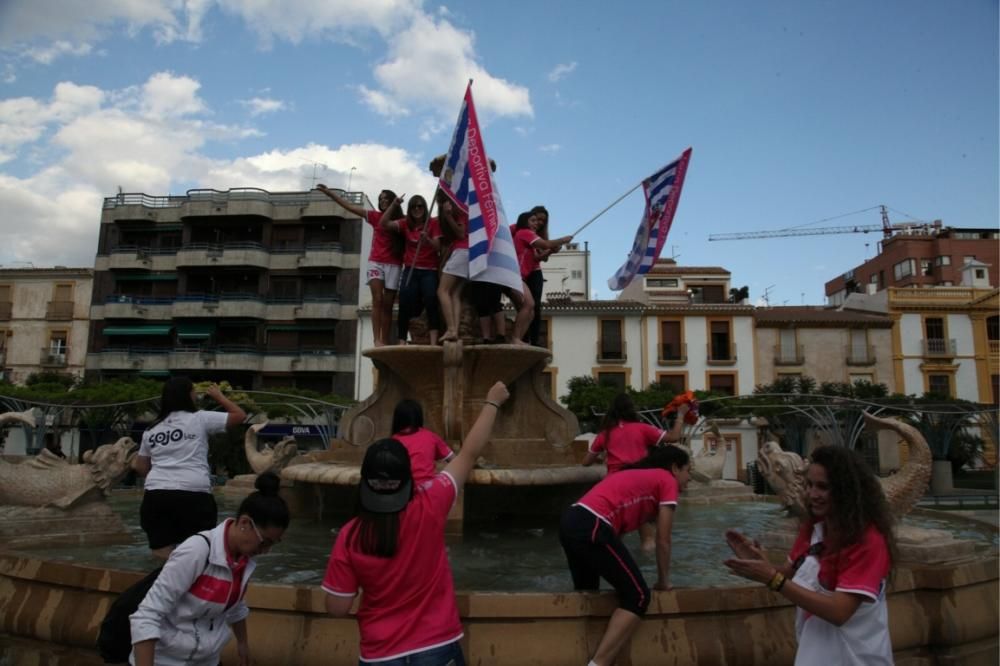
x,y
796,111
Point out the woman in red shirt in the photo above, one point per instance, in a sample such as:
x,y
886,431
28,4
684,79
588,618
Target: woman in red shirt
x,y
384,258
532,246
393,553
419,280
838,567
591,531
424,446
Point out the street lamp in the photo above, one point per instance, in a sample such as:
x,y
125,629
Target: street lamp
x,y
350,176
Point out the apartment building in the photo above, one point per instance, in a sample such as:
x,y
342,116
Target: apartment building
x,y
920,257
825,343
43,321
256,288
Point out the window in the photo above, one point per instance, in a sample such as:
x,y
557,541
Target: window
x,y
672,340
861,377
857,352
722,383
925,267
942,260
993,328
995,389
873,279
576,275
675,381
613,379
661,283
903,269
787,349
934,333
713,293
284,289
611,346
57,350
939,385
719,348
980,273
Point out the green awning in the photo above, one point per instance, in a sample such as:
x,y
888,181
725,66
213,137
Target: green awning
x,y
137,330
154,373
302,327
150,277
195,330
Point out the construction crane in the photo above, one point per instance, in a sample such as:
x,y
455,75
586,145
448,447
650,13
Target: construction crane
x,y
886,228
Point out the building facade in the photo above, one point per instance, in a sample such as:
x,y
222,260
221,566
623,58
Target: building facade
x,y
256,288
824,343
920,257
43,321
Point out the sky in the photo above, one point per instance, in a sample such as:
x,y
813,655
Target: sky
x,y
798,112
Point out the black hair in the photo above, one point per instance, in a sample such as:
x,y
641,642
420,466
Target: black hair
x,y
176,397
622,409
544,230
266,507
522,220
408,415
392,197
856,498
662,457
409,205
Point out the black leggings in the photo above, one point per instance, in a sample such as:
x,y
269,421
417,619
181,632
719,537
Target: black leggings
x,y
594,551
416,296
535,283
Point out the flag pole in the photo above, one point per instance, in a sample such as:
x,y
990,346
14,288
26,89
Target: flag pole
x,y
606,209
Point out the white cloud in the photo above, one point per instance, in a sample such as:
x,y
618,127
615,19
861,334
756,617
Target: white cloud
x,y
27,22
521,130
103,139
259,106
429,65
382,104
561,70
47,54
550,148
9,74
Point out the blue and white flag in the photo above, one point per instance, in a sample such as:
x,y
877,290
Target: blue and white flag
x,y
467,179
663,191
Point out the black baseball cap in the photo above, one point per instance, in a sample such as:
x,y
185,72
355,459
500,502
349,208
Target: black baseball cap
x,y
386,479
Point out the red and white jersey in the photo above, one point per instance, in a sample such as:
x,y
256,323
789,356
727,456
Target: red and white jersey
x,y
197,595
631,497
427,258
382,251
462,219
408,600
425,447
524,241
626,443
860,568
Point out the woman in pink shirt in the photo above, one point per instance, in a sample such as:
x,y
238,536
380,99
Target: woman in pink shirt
x,y
384,259
591,535
455,273
532,246
393,553
419,280
839,566
424,446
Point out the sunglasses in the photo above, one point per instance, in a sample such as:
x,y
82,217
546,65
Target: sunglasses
x,y
264,543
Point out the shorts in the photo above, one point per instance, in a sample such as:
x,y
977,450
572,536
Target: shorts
x,y
458,263
387,273
168,517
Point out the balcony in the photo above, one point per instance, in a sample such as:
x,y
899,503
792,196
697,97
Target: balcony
x,y
234,304
994,346
860,355
54,357
120,306
59,311
788,355
132,257
672,353
141,359
307,360
939,347
222,357
324,255
6,308
720,354
319,308
610,352
243,253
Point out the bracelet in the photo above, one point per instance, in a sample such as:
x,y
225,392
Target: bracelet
x,y
495,404
776,582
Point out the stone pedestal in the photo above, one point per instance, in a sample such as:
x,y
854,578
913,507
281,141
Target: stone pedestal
x,y
93,523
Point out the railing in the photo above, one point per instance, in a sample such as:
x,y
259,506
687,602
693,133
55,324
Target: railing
x,y
54,357
994,346
219,248
671,353
215,298
220,349
217,196
139,300
721,354
788,355
860,355
939,347
934,293
59,310
609,353
143,250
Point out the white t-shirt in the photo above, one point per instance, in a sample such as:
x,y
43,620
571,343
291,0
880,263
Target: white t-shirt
x,y
178,450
